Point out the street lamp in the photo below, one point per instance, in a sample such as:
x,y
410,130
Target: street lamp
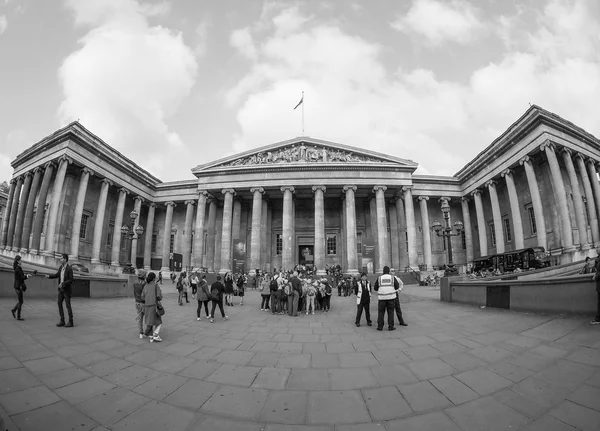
x,y
447,233
130,232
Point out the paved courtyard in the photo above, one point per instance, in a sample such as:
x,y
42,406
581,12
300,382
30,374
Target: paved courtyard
x,y
453,368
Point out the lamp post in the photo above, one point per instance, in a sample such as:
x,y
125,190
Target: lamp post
x,y
130,232
447,233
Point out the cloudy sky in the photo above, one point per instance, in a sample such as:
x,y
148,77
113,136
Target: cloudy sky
x,y
176,84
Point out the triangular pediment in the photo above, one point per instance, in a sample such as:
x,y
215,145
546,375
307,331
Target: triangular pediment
x,y
301,152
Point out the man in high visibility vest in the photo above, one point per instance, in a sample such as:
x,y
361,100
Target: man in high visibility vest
x,y
387,288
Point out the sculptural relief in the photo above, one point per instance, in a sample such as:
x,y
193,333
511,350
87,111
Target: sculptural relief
x,y
303,154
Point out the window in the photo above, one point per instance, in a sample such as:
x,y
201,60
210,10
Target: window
x,y
507,232
531,214
85,217
463,239
279,244
492,233
331,244
587,211
111,231
359,242
154,240
172,243
124,239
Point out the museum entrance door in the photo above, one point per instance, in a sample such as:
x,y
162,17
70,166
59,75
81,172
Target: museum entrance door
x,y
306,255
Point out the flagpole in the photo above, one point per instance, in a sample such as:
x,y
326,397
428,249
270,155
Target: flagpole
x,y
303,113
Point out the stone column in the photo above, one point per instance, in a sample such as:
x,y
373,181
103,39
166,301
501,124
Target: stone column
x,y
21,212
374,231
149,233
411,227
560,196
199,232
236,222
497,215
27,225
382,232
6,219
256,233
342,244
166,250
116,244
226,230
99,222
577,200
536,201
13,214
49,246
287,229
589,195
402,232
83,184
515,209
319,192
138,200
593,177
212,224
394,235
426,232
187,236
265,236
351,230
464,201
41,207
218,238
481,226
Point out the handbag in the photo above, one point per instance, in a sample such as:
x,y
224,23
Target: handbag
x,y
23,287
160,310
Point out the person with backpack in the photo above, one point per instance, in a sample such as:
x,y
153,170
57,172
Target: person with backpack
x,y
387,288
275,295
217,292
203,297
265,292
311,293
240,288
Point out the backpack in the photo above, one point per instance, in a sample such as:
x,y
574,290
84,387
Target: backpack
x,y
311,291
273,286
179,285
215,294
327,289
288,288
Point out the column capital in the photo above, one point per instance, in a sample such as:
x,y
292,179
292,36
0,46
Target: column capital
x,y
124,190
139,198
406,188
151,205
36,169
260,190
580,156
48,164
87,171
205,193
12,180
565,150
189,202
348,187
548,144
464,199
590,161
27,174
524,160
322,188
290,188
490,183
225,191
107,181
393,200
377,188
444,199
506,172
476,192
423,198
170,203
65,158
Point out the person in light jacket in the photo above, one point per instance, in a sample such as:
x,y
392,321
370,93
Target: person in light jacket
x,y
150,295
387,288
203,297
362,290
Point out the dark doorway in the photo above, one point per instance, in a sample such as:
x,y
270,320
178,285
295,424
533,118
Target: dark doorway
x,y
306,254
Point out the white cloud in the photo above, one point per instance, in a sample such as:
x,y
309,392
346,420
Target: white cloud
x,y
127,79
351,98
3,24
441,21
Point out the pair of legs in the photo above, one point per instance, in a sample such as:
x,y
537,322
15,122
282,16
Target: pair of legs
x,y
194,290
182,294
283,304
216,304
398,311
264,304
65,296
326,302
596,321
139,318
359,310
382,306
200,308
310,304
155,333
229,298
241,295
17,308
274,302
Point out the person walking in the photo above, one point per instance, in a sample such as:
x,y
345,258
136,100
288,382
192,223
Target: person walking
x,y
397,308
140,308
228,289
240,287
596,321
152,295
386,286
65,280
19,286
194,281
217,291
362,290
203,297
296,291
160,277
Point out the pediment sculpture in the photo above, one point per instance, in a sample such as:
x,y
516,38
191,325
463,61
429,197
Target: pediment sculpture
x,y
303,154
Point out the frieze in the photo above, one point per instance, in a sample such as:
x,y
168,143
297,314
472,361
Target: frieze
x,y
302,154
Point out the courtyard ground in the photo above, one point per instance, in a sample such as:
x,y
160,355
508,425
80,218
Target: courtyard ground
x,y
453,368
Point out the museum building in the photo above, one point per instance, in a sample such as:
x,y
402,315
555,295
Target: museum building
x,y
304,201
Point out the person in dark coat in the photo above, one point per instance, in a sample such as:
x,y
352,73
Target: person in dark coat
x,y
65,280
138,288
362,290
20,278
203,297
217,291
151,295
228,289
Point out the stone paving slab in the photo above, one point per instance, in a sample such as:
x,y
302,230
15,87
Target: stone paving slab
x,y
455,368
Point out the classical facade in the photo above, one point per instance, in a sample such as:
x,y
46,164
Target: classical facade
x,y
304,201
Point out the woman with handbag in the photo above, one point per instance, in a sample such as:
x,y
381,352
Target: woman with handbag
x,y
19,286
152,295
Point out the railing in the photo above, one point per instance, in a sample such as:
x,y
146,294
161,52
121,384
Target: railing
x,y
414,273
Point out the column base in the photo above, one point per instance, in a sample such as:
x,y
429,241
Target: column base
x,y
585,247
252,273
349,271
147,268
47,253
95,262
24,251
224,271
569,249
165,269
33,251
321,272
